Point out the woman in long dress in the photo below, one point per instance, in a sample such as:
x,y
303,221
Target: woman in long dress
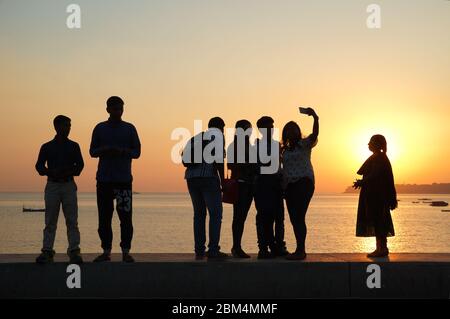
x,y
377,197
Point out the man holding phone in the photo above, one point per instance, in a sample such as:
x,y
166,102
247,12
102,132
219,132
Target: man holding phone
x,y
115,142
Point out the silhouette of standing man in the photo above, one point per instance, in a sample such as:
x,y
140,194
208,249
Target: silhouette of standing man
x,y
60,160
269,198
115,143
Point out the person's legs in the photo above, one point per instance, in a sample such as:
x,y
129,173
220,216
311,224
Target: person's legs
x,y
383,245
70,210
240,212
382,249
213,198
382,227
124,206
266,222
293,207
264,216
262,242
199,206
279,228
298,197
280,244
52,205
105,205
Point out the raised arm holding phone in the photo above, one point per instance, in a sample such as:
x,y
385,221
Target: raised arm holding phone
x,y
298,176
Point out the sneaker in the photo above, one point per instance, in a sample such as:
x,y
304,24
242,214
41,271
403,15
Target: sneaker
x,y
239,253
75,258
265,254
103,257
298,255
216,255
127,258
45,257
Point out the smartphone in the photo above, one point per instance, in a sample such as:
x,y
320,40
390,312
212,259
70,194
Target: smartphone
x,y
303,110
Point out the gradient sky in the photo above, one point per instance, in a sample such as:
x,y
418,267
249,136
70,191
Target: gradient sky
x,y
177,61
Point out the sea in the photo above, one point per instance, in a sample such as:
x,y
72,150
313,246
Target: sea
x,y
163,223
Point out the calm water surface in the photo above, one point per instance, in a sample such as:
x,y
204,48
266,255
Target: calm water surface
x,y
163,223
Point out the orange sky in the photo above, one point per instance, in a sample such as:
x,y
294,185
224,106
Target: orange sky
x,y
176,62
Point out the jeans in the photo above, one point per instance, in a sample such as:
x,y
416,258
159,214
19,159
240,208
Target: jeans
x,y
298,196
106,194
279,225
64,193
240,212
205,194
269,212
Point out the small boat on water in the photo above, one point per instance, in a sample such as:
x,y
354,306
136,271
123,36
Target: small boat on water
x,y
439,203
424,198
27,210
446,210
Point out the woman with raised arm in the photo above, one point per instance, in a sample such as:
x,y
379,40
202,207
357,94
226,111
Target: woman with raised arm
x,y
377,197
298,177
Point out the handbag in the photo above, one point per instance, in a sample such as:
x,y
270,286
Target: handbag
x,y
230,190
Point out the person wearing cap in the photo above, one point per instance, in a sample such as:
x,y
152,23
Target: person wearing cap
x,y
269,194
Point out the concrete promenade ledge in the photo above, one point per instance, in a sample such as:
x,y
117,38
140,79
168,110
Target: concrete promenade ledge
x,y
334,275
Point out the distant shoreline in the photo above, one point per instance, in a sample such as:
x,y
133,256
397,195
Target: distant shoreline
x,y
435,188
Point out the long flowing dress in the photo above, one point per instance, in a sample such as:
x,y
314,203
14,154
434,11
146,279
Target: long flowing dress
x,y
376,198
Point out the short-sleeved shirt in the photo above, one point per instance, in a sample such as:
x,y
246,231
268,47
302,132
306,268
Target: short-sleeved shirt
x,y
296,161
201,169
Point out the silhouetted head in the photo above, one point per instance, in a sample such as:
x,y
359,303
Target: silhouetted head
x,y
265,124
378,144
291,134
245,125
114,106
216,122
62,125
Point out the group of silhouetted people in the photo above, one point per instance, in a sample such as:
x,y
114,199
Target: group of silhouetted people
x,y
292,181
116,142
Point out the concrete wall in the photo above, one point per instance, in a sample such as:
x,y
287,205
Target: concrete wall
x,y
254,279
